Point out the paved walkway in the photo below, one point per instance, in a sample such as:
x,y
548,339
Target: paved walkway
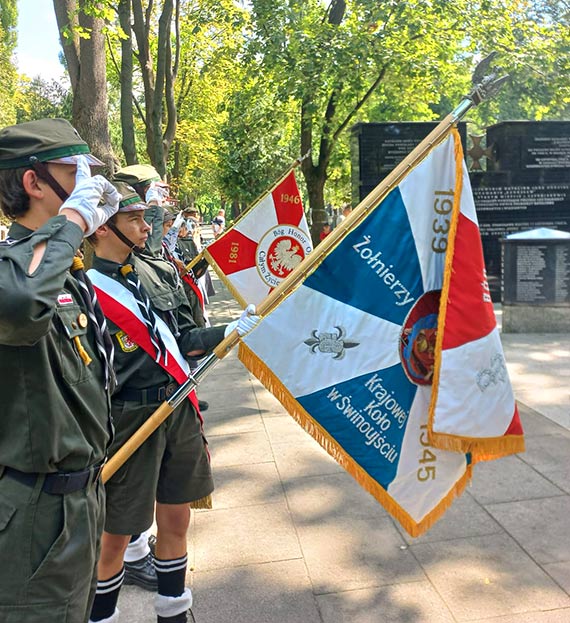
x,y
293,539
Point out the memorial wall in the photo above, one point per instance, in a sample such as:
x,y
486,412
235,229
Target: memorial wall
x,y
520,176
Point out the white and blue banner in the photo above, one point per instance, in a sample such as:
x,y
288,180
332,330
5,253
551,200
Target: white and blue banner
x,y
338,351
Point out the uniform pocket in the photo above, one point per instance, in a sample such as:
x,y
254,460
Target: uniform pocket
x,y
73,325
7,511
50,532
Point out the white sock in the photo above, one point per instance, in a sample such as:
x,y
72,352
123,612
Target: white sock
x,y
167,606
137,549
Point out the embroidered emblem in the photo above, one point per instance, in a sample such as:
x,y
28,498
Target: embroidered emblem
x,y
496,373
279,252
330,342
65,299
127,345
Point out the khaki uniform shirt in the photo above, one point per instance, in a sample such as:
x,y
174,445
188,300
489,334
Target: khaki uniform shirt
x,y
55,410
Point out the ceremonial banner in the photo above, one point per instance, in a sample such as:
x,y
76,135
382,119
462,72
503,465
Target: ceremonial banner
x,y
264,245
351,352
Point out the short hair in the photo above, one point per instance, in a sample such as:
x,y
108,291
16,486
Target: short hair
x,y
14,200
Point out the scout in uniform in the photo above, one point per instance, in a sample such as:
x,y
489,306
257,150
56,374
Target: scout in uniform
x,y
55,375
153,332
144,178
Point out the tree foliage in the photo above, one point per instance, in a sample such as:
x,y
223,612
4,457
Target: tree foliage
x,y
8,74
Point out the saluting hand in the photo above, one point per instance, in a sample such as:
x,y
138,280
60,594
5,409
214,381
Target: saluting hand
x,y
95,199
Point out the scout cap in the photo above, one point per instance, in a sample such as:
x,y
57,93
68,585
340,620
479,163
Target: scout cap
x,y
44,140
136,174
167,217
130,200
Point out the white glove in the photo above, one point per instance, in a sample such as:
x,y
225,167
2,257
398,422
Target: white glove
x,y
95,199
178,221
246,322
156,193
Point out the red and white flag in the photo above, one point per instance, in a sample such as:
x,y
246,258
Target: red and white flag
x,y
264,245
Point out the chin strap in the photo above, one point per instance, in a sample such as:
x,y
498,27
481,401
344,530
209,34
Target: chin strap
x,y
122,237
42,172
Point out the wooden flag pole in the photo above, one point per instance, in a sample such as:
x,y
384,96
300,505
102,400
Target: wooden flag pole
x,y
484,87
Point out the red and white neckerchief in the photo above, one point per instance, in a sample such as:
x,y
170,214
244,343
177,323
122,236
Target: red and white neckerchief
x,y
120,307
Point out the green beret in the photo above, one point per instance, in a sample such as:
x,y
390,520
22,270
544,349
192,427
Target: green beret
x,y
130,200
46,140
137,174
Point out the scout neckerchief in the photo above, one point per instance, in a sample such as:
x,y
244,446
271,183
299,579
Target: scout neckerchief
x,y
102,337
120,306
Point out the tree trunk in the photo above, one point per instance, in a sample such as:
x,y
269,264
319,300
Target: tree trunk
x,y
87,69
127,122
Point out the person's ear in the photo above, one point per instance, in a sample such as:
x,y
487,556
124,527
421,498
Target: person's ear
x,y
32,185
102,231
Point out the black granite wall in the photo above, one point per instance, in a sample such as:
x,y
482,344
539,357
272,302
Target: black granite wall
x,y
526,183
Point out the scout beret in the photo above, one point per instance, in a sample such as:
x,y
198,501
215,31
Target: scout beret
x,y
130,200
138,174
47,140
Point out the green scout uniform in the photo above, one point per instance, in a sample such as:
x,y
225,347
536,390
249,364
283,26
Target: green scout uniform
x,y
172,466
186,250
55,418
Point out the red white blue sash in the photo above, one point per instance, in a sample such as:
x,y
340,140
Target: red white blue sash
x,y
120,307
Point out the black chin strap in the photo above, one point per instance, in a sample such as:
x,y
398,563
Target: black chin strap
x,y
42,172
123,238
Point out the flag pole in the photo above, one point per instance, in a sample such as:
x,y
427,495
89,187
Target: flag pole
x,y
202,254
485,86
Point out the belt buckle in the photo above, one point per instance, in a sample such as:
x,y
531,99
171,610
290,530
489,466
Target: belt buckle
x,y
170,389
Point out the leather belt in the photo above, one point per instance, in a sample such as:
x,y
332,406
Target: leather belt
x,y
58,483
158,393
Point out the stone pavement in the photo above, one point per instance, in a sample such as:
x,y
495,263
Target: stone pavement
x,y
293,539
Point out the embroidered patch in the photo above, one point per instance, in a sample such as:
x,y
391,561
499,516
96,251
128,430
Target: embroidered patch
x,y
65,299
127,345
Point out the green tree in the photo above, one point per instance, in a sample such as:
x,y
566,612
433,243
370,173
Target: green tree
x,y
343,62
38,98
8,74
81,24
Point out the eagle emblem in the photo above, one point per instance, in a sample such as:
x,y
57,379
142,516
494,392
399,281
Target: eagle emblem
x,y
285,257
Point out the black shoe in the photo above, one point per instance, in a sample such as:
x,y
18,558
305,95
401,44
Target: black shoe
x,y
141,573
184,617
203,405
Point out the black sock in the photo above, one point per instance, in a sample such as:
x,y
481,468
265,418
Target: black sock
x,y
171,575
134,538
106,597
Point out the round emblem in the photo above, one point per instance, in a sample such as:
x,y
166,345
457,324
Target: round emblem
x,y
82,320
418,337
280,251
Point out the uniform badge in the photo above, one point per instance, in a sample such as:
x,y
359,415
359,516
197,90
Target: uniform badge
x,y
82,320
127,345
64,299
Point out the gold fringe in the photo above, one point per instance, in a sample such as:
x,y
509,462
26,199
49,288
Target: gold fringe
x,y
482,448
81,351
302,417
202,503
